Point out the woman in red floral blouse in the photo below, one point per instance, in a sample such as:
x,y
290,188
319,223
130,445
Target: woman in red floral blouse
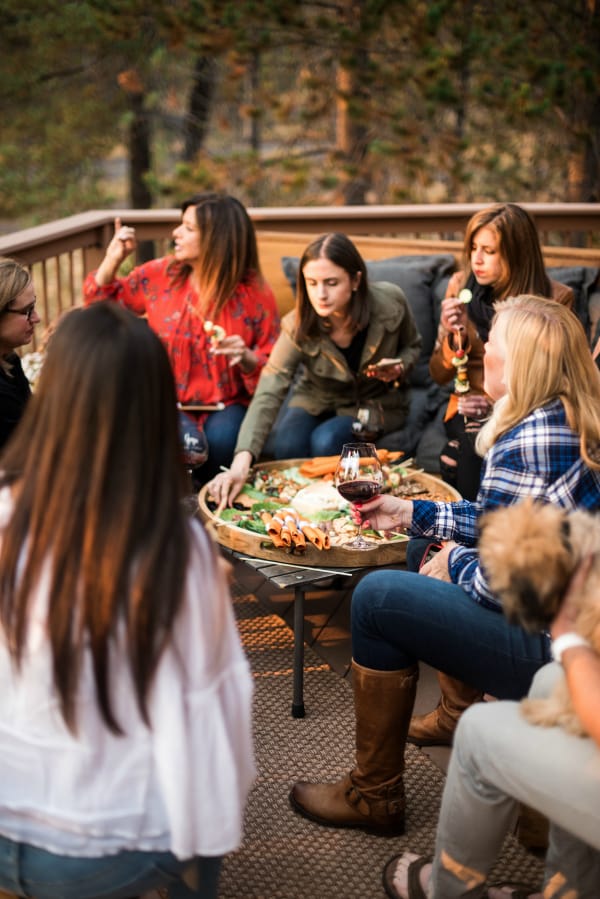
x,y
209,304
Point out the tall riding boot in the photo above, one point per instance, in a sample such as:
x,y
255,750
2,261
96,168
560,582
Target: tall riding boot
x,y
371,796
436,728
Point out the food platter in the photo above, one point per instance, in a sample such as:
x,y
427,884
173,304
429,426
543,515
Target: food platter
x,y
385,551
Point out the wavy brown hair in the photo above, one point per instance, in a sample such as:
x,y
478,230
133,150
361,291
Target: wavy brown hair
x,y
97,481
523,268
340,250
228,249
546,357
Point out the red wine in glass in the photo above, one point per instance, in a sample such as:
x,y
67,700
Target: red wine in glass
x,y
362,433
358,478
359,491
369,422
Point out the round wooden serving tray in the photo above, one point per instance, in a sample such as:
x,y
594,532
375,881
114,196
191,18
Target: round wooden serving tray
x,y
243,541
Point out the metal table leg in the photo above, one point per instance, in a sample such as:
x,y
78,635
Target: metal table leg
x,y
298,694
285,575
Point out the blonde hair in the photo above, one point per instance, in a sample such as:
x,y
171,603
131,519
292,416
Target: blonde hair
x,y
546,357
14,278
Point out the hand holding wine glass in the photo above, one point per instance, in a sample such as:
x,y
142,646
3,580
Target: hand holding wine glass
x,y
358,478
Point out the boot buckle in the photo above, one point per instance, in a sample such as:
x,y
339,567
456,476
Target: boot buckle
x,y
355,799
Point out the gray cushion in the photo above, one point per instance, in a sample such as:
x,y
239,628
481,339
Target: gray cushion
x,y
582,280
418,277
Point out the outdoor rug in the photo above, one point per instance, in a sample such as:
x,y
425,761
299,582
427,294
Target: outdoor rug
x,y
284,856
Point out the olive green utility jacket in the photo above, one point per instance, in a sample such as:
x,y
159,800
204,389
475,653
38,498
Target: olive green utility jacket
x,y
322,381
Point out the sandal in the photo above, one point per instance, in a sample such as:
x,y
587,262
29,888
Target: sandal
x,y
415,890
517,890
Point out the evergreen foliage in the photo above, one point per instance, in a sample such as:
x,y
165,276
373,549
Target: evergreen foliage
x,y
284,103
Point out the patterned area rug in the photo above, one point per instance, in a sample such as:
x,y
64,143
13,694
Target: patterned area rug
x,y
283,856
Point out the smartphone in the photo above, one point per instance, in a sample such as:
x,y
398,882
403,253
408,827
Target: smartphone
x,y
382,367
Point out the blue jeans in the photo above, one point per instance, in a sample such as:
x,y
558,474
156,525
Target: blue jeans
x,y
300,435
400,618
221,429
28,871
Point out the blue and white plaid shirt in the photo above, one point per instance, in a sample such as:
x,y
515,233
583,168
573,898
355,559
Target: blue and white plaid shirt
x,y
539,457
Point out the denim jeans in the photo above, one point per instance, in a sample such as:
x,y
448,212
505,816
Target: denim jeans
x,y
221,429
28,871
400,618
301,435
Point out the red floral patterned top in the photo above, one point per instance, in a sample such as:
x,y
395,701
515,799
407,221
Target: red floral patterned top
x,y
200,376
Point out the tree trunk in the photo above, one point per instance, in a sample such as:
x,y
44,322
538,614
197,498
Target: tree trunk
x,y
200,102
351,139
590,184
139,166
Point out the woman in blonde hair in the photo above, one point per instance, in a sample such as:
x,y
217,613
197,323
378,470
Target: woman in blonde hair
x,y
502,258
18,317
211,307
542,441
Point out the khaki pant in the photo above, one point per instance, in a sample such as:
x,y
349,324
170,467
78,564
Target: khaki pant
x,y
499,761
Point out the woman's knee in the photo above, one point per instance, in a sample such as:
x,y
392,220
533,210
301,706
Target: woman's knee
x,y
329,437
362,599
292,437
545,678
475,729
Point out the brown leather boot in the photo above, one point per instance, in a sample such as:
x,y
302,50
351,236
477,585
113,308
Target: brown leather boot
x,y
436,728
371,796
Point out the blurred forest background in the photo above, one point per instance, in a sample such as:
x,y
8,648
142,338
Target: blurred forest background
x,y
139,103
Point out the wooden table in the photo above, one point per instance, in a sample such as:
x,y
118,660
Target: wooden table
x,y
312,567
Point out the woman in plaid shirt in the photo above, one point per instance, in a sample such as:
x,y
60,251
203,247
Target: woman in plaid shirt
x,y
543,441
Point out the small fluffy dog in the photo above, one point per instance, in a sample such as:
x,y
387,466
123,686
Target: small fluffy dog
x,y
529,552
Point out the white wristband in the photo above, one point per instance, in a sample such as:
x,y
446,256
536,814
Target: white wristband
x,y
564,642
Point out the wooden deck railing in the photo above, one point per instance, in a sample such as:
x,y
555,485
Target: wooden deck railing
x,y
60,253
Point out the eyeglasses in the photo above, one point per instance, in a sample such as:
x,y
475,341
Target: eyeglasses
x,y
27,311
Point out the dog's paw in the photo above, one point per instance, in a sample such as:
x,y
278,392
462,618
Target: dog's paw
x,y
552,712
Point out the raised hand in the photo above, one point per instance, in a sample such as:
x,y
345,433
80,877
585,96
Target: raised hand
x,y
453,316
122,244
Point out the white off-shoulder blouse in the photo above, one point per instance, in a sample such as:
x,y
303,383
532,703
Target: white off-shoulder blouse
x,y
179,786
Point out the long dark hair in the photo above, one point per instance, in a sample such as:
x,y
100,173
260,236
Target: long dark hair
x,y
228,249
340,250
97,482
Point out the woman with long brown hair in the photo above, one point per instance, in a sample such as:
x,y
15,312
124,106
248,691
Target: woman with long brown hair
x,y
210,306
348,341
125,739
502,258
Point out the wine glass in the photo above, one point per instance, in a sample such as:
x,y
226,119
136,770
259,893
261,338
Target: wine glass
x,y
369,422
194,444
358,478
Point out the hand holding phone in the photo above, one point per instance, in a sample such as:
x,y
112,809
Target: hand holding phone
x,y
386,369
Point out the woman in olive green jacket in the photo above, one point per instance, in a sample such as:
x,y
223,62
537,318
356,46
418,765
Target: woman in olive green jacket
x,y
346,342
